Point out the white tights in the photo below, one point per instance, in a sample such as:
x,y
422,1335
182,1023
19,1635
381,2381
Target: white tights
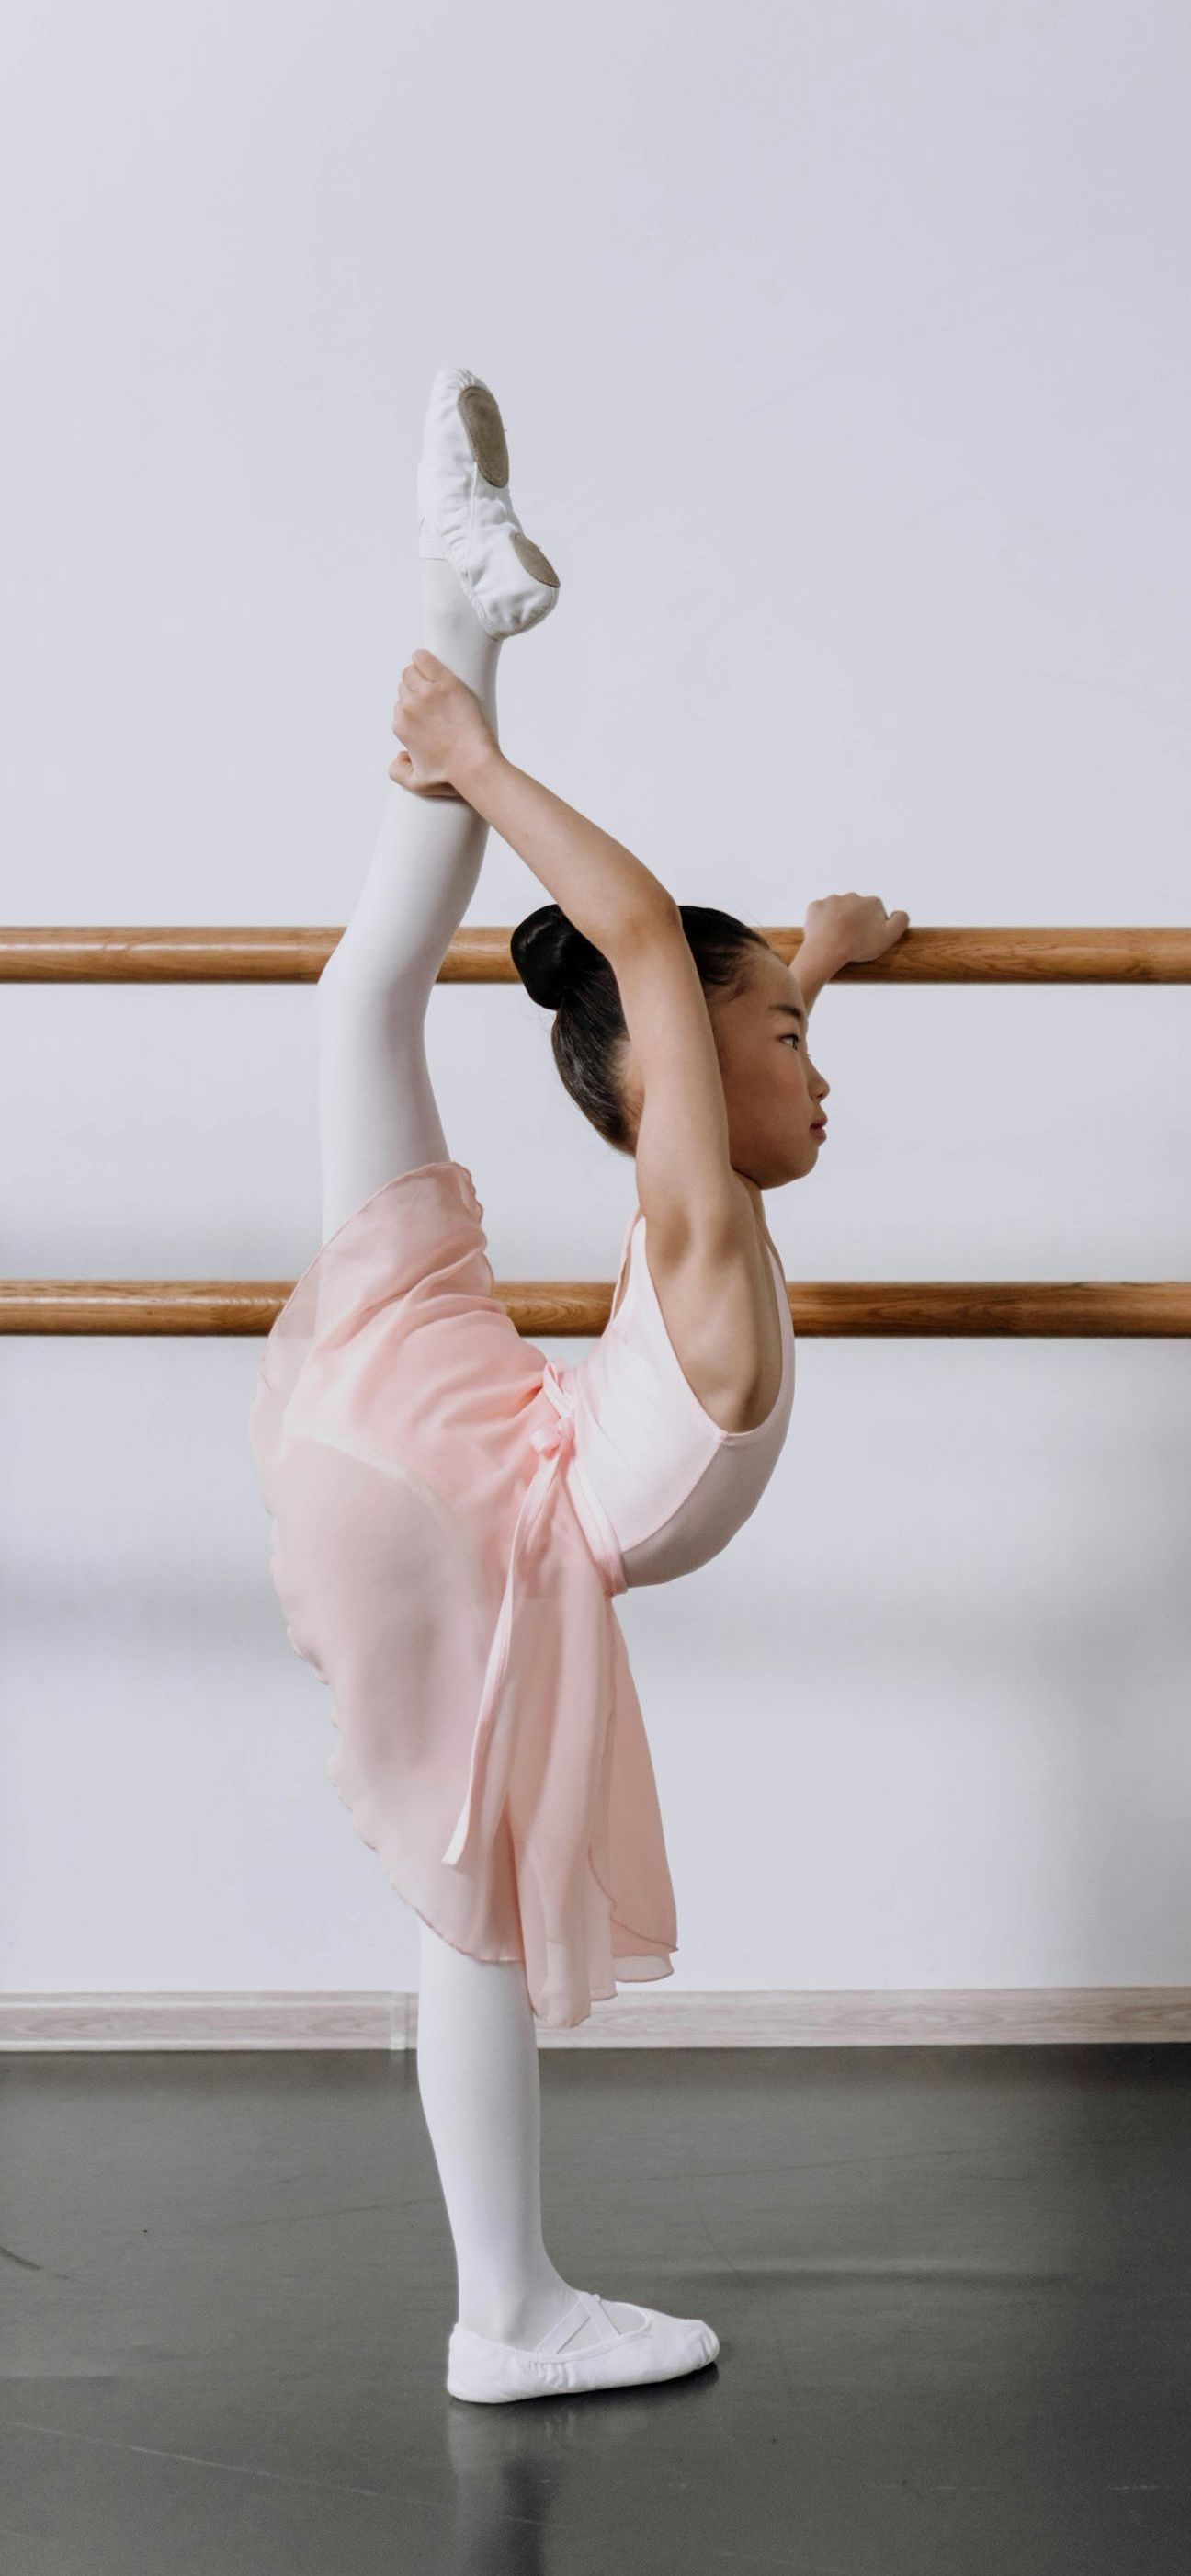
x,y
477,2054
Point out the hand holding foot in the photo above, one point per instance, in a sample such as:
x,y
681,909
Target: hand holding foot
x,y
441,725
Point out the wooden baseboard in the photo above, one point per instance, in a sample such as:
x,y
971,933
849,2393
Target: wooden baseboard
x,y
933,2017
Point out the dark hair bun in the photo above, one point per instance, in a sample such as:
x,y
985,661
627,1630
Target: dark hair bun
x,y
550,955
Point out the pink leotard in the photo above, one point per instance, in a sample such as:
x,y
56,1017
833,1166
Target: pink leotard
x,y
668,1486
453,1516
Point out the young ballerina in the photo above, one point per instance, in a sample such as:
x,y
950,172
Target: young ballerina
x,y
453,1514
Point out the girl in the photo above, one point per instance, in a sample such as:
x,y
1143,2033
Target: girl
x,y
453,1514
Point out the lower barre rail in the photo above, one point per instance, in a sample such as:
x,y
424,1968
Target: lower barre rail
x,y
1052,1309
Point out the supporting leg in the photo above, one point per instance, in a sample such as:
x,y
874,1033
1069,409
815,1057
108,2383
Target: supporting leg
x,y
478,2081
479,2086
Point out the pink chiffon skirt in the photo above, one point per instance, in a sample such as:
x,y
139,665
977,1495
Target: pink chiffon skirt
x,y
414,1454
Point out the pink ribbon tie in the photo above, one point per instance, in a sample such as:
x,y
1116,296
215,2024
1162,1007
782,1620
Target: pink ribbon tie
x,y
489,1777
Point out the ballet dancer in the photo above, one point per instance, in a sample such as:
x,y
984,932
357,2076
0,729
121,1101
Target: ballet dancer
x,y
454,1514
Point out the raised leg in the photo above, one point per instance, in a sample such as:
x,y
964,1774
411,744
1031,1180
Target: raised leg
x,y
377,1112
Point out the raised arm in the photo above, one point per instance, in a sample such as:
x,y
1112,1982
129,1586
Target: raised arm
x,y
706,1258
685,1181
602,887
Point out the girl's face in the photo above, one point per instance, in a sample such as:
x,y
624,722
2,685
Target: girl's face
x,y
772,1091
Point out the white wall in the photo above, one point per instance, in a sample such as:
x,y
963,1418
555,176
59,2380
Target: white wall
x,y
843,354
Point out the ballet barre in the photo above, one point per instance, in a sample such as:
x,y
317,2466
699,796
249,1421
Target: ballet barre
x,y
242,955
1000,1308
1050,1309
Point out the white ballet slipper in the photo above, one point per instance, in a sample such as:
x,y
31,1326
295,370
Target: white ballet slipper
x,y
465,508
661,2347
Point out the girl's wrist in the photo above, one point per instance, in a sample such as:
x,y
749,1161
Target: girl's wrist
x,y
479,761
831,952
815,962
818,958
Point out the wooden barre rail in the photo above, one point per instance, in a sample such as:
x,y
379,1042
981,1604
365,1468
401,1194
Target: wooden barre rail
x,y
1144,1309
1005,1308
481,956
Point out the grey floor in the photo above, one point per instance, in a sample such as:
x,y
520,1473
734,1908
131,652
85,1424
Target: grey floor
x,y
952,2289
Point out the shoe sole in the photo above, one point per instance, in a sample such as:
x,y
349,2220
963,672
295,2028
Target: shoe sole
x,y
484,428
597,2388
479,412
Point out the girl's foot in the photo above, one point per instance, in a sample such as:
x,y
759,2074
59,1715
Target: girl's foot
x,y
593,2344
465,507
